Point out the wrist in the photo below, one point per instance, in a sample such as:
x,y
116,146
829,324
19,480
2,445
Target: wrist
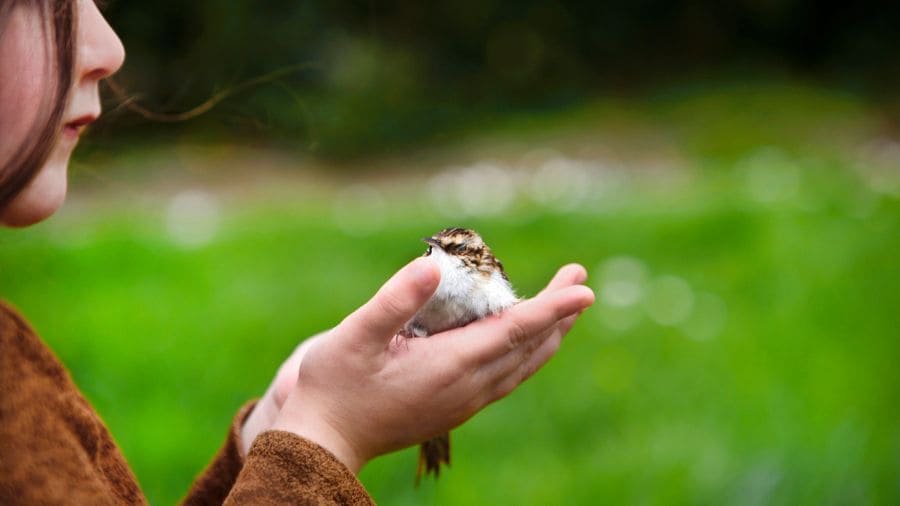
x,y
260,419
319,431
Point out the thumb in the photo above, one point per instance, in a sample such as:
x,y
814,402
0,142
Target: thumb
x,y
396,302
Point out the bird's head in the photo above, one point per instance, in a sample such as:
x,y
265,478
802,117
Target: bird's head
x,y
456,242
467,247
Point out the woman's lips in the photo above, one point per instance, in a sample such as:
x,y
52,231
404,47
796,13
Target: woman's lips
x,y
73,128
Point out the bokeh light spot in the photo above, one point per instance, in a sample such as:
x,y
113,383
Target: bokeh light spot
x,y
192,218
669,300
482,189
622,281
561,184
770,175
618,318
879,166
620,285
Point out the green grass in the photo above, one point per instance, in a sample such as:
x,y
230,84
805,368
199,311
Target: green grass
x,y
777,385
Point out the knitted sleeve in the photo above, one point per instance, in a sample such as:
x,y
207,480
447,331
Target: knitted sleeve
x,y
283,468
54,448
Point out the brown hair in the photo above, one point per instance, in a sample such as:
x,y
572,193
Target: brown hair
x,y
16,173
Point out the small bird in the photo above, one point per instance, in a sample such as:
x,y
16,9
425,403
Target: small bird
x,y
473,285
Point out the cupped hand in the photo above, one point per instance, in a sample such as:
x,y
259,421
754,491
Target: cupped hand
x,y
360,391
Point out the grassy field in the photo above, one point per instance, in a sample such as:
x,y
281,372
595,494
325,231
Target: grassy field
x,y
743,242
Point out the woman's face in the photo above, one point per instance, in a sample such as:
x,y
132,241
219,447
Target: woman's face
x,y
27,79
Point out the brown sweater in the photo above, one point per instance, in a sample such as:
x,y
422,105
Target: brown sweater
x,y
54,449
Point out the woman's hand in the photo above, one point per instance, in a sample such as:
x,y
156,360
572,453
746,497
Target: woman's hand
x,y
361,392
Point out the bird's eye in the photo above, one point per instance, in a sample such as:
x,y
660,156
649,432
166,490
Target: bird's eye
x,y
458,248
429,250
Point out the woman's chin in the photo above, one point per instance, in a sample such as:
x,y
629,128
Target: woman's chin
x,y
26,214
39,200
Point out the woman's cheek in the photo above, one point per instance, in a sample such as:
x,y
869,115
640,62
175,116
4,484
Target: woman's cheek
x,y
26,75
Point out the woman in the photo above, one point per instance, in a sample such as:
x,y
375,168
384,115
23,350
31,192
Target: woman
x,y
353,397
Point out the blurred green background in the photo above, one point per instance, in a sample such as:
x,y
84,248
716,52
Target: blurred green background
x,y
729,176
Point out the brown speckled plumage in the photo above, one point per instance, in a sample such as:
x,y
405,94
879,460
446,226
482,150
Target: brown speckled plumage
x,y
469,247
473,285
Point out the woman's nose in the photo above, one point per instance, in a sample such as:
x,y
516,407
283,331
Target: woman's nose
x,y
99,51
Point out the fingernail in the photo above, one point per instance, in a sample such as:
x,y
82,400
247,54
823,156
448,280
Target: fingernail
x,y
581,275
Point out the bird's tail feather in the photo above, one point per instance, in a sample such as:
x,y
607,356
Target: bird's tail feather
x,y
432,454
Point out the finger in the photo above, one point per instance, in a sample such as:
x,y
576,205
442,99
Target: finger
x,y
567,275
379,319
488,339
566,323
512,361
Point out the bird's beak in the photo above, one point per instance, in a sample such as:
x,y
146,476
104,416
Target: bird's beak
x,y
432,241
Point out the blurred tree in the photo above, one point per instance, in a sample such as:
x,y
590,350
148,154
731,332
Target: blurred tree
x,y
379,73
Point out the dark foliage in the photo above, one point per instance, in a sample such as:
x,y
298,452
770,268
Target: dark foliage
x,y
378,74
